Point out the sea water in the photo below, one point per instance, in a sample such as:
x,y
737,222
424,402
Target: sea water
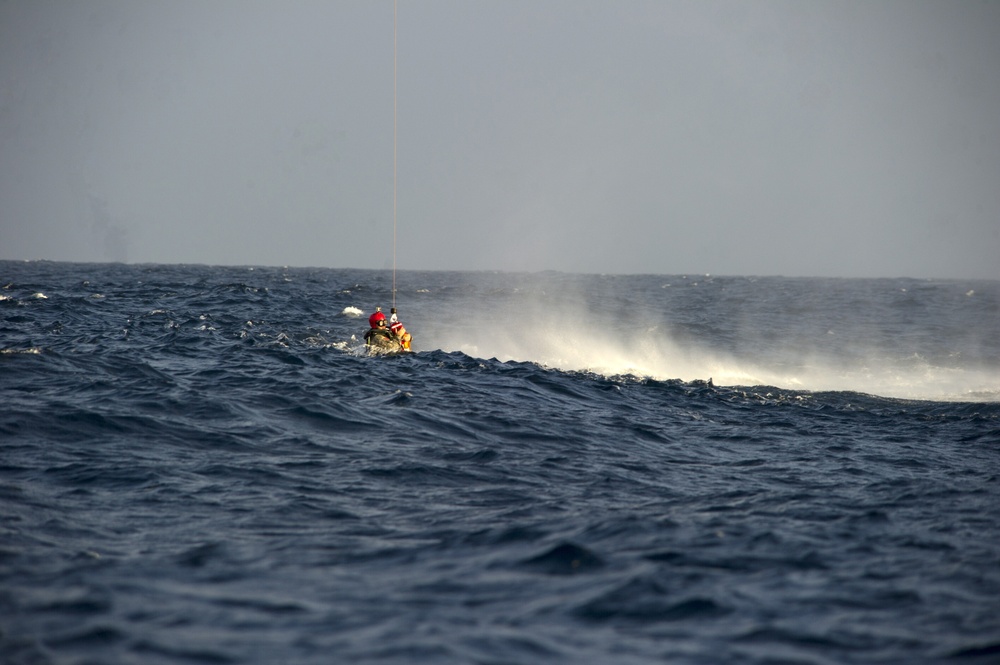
x,y
202,465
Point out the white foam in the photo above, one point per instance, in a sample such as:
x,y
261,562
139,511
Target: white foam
x,y
352,312
581,341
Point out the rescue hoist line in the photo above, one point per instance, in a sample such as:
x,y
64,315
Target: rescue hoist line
x,y
395,140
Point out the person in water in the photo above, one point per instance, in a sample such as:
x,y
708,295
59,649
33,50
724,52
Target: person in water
x,y
399,331
387,333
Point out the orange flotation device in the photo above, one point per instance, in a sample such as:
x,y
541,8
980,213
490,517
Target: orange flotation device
x,y
400,332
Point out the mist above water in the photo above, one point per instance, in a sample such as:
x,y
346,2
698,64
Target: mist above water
x,y
610,337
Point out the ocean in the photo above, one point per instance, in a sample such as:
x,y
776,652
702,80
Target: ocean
x,y
202,465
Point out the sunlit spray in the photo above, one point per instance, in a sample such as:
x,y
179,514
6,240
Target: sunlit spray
x,y
564,329
561,331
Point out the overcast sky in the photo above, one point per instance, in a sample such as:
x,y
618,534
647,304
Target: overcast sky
x,y
829,138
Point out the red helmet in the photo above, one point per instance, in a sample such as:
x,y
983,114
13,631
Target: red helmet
x,y
375,318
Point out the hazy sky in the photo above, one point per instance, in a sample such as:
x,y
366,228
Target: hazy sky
x,y
830,138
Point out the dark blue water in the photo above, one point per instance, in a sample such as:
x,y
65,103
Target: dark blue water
x,y
201,465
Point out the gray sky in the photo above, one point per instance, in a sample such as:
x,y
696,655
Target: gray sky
x,y
830,138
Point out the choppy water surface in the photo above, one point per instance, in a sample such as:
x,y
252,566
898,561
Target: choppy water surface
x,y
200,465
